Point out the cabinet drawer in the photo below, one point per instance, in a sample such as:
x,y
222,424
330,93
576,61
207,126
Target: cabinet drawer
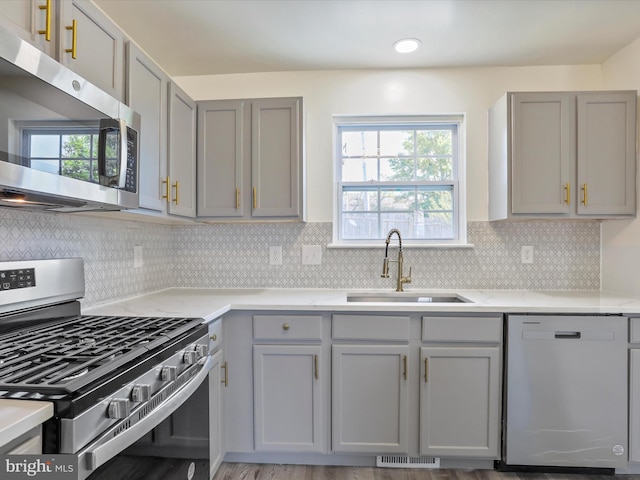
x,y
287,327
462,329
215,335
370,327
635,330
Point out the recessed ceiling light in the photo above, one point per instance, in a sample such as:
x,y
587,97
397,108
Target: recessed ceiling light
x,y
406,45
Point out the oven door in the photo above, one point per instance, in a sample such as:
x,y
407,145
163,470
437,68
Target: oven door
x,y
179,421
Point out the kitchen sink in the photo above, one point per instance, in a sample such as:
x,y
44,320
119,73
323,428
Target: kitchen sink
x,y
406,297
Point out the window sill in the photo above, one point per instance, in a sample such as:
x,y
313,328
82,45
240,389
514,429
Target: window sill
x,y
382,244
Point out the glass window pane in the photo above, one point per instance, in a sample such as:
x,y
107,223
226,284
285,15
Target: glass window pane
x,y
437,225
359,201
76,146
434,169
434,142
402,221
429,200
398,199
396,169
396,142
359,225
359,170
49,166
45,146
360,144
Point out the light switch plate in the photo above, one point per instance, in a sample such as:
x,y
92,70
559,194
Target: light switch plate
x,y
275,255
526,254
311,255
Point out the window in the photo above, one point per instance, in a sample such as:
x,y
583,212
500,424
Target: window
x,y
398,172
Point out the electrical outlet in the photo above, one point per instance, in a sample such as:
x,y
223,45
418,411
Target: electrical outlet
x,y
311,255
275,255
526,254
138,261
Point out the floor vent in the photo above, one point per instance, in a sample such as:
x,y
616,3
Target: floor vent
x,y
397,461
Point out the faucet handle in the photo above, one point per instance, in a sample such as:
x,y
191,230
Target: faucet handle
x,y
408,278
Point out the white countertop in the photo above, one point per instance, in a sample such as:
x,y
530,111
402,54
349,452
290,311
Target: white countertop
x,y
19,416
211,303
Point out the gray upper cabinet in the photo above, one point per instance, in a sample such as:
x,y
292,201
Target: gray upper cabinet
x,y
91,45
74,32
182,153
147,95
562,154
250,159
31,20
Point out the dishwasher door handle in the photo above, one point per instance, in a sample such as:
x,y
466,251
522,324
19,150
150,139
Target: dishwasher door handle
x,y
568,335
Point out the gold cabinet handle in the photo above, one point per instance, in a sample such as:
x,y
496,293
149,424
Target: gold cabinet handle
x,y
426,370
404,366
237,198
315,366
584,194
74,39
47,21
166,183
177,187
255,198
567,190
285,326
225,379
214,337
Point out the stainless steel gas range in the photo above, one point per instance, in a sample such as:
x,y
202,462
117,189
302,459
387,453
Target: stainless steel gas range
x,y
112,380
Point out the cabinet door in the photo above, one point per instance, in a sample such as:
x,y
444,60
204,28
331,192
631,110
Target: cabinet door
x,y
460,402
369,398
147,95
287,398
276,157
221,127
215,415
634,405
607,153
542,152
182,152
97,45
28,20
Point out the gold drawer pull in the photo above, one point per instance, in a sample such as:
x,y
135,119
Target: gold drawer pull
x,y
177,187
166,182
567,189
584,194
237,198
213,337
316,367
255,198
285,327
225,379
47,22
74,39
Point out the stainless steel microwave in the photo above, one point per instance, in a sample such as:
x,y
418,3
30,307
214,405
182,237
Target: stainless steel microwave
x,y
65,145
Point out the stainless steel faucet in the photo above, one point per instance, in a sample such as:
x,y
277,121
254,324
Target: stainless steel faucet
x,y
385,264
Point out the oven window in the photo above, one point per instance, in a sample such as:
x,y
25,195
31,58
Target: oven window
x,y
67,150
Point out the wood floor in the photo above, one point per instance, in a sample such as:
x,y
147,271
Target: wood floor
x,y
244,471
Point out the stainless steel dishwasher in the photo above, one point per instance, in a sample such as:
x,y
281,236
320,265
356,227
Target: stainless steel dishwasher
x,y
566,391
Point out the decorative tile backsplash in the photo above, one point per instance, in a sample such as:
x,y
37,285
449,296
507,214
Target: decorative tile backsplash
x,y
566,255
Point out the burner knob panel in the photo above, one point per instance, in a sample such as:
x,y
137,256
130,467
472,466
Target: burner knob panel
x,y
119,408
190,357
168,374
140,393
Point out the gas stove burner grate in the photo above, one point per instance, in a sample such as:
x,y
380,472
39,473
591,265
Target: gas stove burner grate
x,y
66,355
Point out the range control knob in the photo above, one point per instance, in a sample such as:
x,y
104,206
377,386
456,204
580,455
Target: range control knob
x,y
119,408
140,393
190,357
203,350
168,374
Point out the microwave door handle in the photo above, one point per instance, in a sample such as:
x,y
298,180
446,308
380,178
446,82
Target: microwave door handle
x,y
122,171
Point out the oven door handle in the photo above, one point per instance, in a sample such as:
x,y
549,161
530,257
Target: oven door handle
x,y
99,453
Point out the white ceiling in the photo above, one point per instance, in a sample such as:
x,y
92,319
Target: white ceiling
x,y
197,37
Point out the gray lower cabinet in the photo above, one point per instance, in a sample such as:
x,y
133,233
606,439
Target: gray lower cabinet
x,y
634,390
250,159
459,414
460,386
216,443
370,399
287,398
562,155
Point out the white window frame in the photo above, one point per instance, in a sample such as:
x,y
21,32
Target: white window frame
x,y
458,182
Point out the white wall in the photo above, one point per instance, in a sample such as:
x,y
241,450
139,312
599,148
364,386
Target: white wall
x,y
327,93
621,239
